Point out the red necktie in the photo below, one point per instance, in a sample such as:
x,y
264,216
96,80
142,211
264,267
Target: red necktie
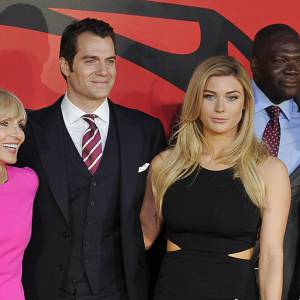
x,y
91,144
271,134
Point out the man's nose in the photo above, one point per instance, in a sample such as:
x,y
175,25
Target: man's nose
x,y
292,67
101,68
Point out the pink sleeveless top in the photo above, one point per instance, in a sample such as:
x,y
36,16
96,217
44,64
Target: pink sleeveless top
x,y
16,201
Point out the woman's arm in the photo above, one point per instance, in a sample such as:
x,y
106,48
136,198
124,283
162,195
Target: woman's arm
x,y
274,220
149,216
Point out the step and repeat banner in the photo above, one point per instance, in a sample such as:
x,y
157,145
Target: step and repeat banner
x,y
159,44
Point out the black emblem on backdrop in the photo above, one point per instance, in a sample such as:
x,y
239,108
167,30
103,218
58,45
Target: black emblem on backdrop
x,y
216,31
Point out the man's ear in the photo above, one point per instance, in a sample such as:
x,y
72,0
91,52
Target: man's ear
x,y
255,66
64,67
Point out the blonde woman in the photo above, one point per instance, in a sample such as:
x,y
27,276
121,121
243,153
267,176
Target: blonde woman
x,y
17,190
216,189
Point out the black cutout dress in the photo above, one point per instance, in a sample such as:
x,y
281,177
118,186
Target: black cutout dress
x,y
208,215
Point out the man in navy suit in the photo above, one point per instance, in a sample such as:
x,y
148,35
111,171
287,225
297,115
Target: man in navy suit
x,y
275,65
86,238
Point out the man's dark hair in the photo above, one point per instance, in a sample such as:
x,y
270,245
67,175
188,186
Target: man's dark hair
x,y
68,44
265,34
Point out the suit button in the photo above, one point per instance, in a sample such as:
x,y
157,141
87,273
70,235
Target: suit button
x,y
59,268
74,280
94,183
89,223
66,234
92,203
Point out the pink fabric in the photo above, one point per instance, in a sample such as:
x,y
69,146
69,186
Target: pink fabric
x,y
16,200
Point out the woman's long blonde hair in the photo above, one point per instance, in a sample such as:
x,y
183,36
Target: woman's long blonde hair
x,y
188,143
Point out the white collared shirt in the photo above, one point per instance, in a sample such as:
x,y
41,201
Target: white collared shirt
x,y
76,126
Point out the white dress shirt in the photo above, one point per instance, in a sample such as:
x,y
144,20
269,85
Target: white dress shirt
x,y
76,126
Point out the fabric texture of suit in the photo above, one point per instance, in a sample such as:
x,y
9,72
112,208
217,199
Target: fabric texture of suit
x,y
292,241
95,260
141,137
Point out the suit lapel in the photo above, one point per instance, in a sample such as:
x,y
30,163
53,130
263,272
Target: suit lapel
x,y
48,133
131,141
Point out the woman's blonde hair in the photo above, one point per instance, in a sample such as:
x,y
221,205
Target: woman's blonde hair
x,y
10,105
188,143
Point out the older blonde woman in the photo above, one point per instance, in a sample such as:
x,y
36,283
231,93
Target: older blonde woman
x,y
215,189
17,190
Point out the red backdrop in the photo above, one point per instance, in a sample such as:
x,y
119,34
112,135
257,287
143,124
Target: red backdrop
x,y
159,44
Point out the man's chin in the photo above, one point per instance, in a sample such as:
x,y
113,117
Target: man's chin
x,y
284,93
290,92
98,97
100,94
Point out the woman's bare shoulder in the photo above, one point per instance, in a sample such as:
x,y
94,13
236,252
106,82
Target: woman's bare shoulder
x,y
273,169
159,159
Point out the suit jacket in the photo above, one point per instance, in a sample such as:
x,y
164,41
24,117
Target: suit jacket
x,y
292,243
141,137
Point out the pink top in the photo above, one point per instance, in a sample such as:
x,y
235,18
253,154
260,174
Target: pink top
x,y
16,200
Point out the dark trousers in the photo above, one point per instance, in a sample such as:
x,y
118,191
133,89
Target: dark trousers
x,y
83,292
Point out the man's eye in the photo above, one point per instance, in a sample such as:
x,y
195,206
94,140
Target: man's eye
x,y
279,61
90,61
22,125
111,62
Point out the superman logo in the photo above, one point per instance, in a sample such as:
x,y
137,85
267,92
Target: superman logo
x,y
159,45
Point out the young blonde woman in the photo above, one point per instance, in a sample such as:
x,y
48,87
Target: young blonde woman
x,y
17,190
216,189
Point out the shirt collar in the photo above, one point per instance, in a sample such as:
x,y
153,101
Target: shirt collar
x,y
262,102
72,113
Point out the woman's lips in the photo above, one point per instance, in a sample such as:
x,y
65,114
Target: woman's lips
x,y
219,120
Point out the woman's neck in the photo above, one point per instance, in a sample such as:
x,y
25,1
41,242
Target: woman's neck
x,y
216,146
3,174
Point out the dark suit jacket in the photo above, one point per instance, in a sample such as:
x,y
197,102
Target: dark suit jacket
x,y
292,243
141,137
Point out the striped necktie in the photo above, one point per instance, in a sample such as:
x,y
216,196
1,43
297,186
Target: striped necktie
x,y
91,144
